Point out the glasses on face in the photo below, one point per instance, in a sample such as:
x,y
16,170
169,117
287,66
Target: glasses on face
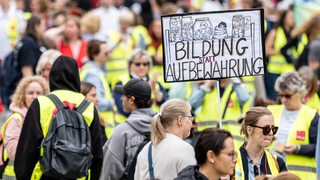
x,y
191,118
139,64
233,154
287,96
266,130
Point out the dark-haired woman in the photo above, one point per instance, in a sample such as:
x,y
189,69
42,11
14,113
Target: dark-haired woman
x,y
258,126
30,49
214,152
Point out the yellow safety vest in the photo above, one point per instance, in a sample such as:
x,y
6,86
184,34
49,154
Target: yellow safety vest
x,y
46,108
302,166
208,116
249,83
272,164
230,120
139,32
117,64
9,169
314,102
108,116
278,63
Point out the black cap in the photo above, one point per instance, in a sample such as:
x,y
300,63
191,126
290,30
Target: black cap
x,y
138,88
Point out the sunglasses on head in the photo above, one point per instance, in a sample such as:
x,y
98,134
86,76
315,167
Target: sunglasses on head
x,y
139,63
287,96
266,130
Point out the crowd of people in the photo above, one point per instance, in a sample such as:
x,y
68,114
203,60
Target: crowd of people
x,y
110,53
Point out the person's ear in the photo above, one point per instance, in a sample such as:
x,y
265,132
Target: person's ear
x,y
211,156
179,121
132,98
249,130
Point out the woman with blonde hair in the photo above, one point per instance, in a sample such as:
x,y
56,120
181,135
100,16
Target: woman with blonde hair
x,y
27,90
90,25
169,153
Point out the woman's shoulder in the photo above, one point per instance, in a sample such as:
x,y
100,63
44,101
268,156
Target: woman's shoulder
x,y
190,173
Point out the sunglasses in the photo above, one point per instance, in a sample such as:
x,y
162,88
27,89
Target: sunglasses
x,y
287,96
139,64
266,130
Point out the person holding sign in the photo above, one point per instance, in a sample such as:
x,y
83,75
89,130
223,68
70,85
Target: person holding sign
x,y
258,126
234,95
298,123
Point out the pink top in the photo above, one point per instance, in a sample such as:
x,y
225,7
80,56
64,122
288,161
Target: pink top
x,y
13,130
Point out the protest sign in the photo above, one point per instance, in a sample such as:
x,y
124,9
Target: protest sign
x,y
213,45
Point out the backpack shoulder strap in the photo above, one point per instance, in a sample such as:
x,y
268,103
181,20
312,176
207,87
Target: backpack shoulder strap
x,y
83,106
56,101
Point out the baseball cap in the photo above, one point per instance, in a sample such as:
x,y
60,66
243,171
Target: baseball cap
x,y
138,88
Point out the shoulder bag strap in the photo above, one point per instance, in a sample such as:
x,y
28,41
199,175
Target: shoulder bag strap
x,y
151,173
56,101
83,106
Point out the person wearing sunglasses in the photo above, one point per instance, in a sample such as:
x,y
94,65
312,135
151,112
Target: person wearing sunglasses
x,y
297,134
139,66
253,160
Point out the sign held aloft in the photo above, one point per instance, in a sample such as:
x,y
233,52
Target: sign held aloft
x,y
213,45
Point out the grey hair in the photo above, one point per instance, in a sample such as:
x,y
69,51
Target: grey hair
x,y
140,53
47,57
291,81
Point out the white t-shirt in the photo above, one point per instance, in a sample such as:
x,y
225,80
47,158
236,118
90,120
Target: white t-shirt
x,y
169,157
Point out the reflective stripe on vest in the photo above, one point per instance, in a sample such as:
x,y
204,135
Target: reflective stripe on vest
x,y
277,63
46,109
273,167
9,169
303,166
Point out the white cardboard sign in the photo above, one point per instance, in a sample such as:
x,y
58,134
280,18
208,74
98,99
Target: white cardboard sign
x,y
213,45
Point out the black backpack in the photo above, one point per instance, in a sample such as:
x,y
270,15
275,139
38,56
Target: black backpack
x,y
67,145
10,72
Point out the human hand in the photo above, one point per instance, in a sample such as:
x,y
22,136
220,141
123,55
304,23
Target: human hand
x,y
153,81
291,149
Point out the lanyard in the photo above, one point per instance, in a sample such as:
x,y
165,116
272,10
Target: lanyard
x,y
256,169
